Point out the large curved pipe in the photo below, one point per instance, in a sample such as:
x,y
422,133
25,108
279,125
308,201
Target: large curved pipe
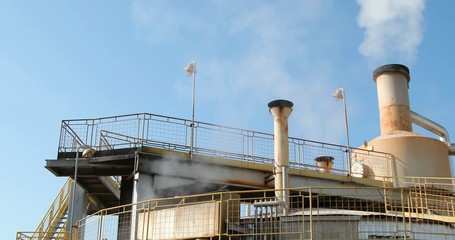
x,y
434,128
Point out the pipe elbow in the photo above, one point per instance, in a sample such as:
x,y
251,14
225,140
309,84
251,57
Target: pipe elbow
x,y
431,126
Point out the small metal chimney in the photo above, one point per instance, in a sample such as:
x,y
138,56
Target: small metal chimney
x,y
392,82
280,110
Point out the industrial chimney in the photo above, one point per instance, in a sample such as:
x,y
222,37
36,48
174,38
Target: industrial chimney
x,y
392,83
411,154
280,110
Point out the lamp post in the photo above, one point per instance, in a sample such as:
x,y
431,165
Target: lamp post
x,y
86,153
190,70
341,94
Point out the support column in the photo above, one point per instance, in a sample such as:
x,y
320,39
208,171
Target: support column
x,y
126,197
80,207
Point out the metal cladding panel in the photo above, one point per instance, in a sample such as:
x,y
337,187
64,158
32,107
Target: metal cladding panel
x,y
191,221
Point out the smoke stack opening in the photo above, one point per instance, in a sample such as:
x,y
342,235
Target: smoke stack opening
x,y
391,68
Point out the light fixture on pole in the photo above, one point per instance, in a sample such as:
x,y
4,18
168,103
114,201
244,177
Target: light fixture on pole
x,y
190,70
338,95
86,153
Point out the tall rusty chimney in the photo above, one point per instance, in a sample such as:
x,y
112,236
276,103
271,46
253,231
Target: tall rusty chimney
x,y
392,82
280,110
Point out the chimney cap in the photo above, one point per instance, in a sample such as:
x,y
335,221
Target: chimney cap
x,y
397,68
280,103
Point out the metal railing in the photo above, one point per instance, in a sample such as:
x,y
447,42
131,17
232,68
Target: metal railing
x,y
39,236
53,224
143,129
314,213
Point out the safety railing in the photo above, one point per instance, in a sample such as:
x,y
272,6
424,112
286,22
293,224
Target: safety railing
x,y
39,236
312,213
435,183
143,129
53,224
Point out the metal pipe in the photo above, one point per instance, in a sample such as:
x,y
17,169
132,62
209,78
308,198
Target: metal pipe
x,y
73,192
452,149
348,150
434,128
88,152
285,180
190,69
280,110
192,115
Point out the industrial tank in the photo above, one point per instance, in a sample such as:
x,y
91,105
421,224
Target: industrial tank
x,y
411,154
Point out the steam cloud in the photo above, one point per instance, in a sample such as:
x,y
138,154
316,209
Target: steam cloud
x,y
172,166
393,29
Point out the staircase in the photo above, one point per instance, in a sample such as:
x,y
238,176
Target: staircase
x,y
53,225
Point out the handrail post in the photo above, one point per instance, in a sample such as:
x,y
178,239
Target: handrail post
x,y
311,212
403,215
100,228
143,130
91,134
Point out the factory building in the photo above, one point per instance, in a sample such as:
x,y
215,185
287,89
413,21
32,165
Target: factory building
x,y
137,177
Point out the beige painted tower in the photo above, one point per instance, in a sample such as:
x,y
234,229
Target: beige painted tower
x,y
411,154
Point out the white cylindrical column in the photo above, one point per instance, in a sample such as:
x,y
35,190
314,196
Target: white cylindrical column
x,y
280,110
392,82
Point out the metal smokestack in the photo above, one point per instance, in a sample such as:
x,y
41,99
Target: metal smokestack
x,y
392,82
411,154
280,110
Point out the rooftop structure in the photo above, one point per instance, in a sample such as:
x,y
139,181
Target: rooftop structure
x,y
143,182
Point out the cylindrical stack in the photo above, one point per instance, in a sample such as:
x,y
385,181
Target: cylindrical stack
x,y
411,154
392,83
280,110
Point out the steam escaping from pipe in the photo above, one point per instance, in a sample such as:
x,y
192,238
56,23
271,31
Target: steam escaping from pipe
x,y
280,110
391,29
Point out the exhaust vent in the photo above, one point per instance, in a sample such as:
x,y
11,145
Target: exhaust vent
x,y
280,110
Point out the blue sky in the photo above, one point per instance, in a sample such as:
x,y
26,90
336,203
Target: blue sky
x,y
87,59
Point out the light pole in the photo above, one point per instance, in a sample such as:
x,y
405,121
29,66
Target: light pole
x,y
86,153
190,70
341,94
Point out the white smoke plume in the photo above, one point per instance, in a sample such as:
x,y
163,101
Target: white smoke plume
x,y
393,29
